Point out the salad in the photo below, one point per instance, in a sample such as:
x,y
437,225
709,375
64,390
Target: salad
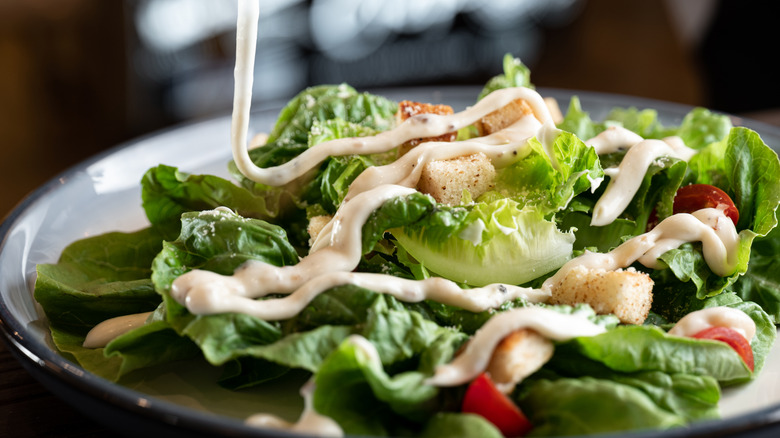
x,y
503,270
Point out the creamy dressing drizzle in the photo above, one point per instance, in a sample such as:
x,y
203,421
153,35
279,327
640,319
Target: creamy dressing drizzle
x,y
709,226
613,139
212,300
341,252
728,317
418,126
310,422
503,148
338,246
478,352
627,177
103,333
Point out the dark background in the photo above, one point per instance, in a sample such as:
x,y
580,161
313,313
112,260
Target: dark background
x,y
80,76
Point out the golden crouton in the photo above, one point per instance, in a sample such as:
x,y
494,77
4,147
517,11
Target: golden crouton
x,y
626,293
316,224
503,117
445,180
518,356
555,110
408,108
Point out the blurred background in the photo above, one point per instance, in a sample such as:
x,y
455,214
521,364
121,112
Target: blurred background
x,y
80,76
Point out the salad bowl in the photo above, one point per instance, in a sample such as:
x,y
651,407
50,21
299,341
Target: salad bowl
x,y
103,194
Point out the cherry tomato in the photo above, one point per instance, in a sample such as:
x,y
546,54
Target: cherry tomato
x,y
483,398
731,337
697,196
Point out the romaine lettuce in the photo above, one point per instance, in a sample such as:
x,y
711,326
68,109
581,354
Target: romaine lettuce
x,y
497,242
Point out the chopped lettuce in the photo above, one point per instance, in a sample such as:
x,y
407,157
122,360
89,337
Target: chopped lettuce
x,y
326,102
588,405
533,180
516,74
167,193
98,278
497,242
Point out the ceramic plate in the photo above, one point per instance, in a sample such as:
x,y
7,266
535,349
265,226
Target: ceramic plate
x,y
103,194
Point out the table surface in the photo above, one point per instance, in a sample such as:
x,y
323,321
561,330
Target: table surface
x,y
28,409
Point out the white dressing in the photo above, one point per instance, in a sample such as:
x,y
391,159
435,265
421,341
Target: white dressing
x,y
310,422
722,316
626,178
503,148
473,232
110,329
475,357
337,248
613,139
709,226
243,73
212,300
418,126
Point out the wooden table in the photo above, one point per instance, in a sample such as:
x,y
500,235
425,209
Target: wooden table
x,y
27,409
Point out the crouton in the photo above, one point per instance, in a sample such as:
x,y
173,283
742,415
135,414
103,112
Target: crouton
x,y
503,117
518,356
445,180
408,108
555,110
316,224
626,293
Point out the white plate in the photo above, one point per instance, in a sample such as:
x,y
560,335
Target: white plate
x,y
103,194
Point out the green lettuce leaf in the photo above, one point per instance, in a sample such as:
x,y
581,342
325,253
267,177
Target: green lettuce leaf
x,y
327,102
151,344
578,121
499,242
354,389
761,282
745,165
219,241
631,349
534,181
330,186
414,210
456,425
515,74
702,127
154,343
167,193
654,196
674,303
587,405
699,128
98,278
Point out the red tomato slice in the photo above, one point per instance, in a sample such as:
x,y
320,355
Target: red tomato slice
x,y
731,337
483,398
697,196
